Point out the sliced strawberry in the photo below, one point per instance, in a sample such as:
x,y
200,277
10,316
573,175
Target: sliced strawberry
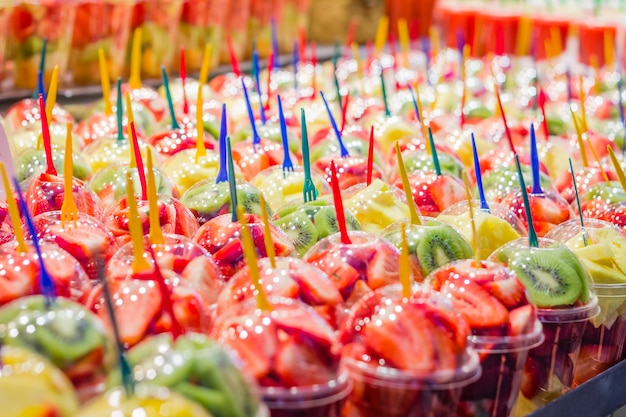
x,y
359,290
300,323
315,287
447,352
230,252
549,209
85,366
383,269
510,292
458,330
522,320
479,307
402,340
81,242
447,190
189,311
17,283
298,364
341,274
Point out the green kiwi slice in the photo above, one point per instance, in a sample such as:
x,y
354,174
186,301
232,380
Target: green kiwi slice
x,y
573,262
548,277
300,230
439,246
326,221
209,399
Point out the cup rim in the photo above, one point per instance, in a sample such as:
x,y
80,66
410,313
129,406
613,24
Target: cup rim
x,y
570,314
508,344
319,394
468,372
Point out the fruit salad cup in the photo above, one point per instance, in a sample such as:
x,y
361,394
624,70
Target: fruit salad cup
x,y
281,187
603,255
197,367
29,383
46,193
308,223
254,159
236,28
407,357
208,200
30,23
290,278
86,239
548,209
560,287
109,183
64,332
493,229
147,400
221,237
356,269
19,272
292,352
431,245
179,258
171,141
201,22
24,115
32,163
139,309
434,193
158,21
504,328
99,24
351,170
174,218
376,206
110,150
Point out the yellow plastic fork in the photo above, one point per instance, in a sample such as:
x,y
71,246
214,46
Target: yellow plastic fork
x,y
69,210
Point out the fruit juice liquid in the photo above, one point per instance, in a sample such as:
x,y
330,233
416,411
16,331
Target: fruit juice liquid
x,y
201,22
549,369
158,20
380,391
591,34
603,342
502,361
29,23
325,400
99,24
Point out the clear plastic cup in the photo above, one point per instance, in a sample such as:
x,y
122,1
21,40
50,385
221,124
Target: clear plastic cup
x,y
417,368
273,346
32,162
30,23
259,24
549,369
253,159
504,328
64,332
493,229
19,272
158,20
236,27
208,199
110,150
45,193
290,278
221,237
201,22
29,381
196,367
179,258
174,218
603,338
86,239
351,170
99,24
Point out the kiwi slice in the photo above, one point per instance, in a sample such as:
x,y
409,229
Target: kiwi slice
x,y
439,246
326,221
549,279
300,230
250,198
573,262
68,335
209,399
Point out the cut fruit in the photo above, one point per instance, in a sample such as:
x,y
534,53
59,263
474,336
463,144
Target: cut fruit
x,y
479,307
298,364
509,292
522,320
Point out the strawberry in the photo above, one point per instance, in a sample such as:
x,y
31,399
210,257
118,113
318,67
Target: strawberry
x,y
510,292
446,191
83,241
522,320
403,340
315,287
299,364
480,308
549,208
230,252
342,275
17,283
383,269
299,322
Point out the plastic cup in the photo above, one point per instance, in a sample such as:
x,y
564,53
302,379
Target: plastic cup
x,y
549,369
87,239
99,24
502,339
158,20
31,163
458,18
289,386
178,257
174,218
202,367
236,27
499,23
382,388
29,23
543,26
201,23
603,338
259,25
591,35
